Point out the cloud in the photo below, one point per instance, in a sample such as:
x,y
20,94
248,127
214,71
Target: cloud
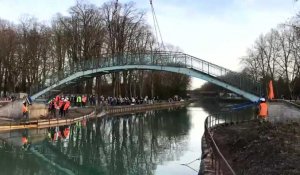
x,y
219,37
220,34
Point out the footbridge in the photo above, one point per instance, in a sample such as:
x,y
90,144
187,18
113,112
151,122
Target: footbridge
x,y
176,62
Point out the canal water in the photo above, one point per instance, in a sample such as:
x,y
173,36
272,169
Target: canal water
x,y
163,142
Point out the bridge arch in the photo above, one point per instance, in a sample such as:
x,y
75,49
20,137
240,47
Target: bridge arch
x,y
185,71
159,60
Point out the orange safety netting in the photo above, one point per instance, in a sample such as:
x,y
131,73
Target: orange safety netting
x,y
271,92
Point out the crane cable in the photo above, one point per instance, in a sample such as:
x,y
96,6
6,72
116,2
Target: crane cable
x,y
155,21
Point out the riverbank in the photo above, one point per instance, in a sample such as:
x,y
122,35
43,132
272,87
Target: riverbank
x,y
254,147
261,148
78,114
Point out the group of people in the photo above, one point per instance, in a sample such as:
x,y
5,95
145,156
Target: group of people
x,y
82,100
64,102
116,101
60,103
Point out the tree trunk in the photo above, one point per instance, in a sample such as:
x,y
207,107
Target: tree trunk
x,y
130,83
89,86
141,83
114,83
152,85
125,74
98,87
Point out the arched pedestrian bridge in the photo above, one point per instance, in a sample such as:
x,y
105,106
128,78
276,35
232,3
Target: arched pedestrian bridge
x,y
176,62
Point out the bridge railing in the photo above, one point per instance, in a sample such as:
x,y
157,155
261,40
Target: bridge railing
x,y
219,163
157,58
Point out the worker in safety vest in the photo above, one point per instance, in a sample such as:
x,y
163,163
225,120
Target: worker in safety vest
x,y
25,111
66,106
61,105
84,100
78,101
263,109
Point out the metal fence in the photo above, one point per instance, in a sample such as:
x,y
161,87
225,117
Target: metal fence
x,y
219,162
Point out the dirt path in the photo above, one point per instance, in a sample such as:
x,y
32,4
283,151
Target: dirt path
x,y
283,112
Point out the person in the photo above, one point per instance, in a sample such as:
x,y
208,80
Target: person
x,y
263,109
78,101
25,111
84,100
52,108
66,107
61,105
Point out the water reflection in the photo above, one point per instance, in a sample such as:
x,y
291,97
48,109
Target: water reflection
x,y
132,144
154,142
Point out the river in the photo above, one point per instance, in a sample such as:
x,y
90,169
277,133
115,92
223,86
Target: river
x,y
163,142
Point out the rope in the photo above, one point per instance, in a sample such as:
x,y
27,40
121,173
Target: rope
x,y
243,105
156,35
187,164
155,21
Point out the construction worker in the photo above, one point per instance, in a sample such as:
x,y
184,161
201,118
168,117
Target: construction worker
x,y
25,111
61,105
66,107
84,100
78,101
263,109
57,98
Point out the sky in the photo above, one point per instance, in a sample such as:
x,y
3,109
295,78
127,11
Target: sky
x,y
218,31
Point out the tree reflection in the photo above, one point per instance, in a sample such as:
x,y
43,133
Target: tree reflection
x,y
132,144
16,160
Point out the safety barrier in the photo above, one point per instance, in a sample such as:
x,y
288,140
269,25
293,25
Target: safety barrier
x,y
218,161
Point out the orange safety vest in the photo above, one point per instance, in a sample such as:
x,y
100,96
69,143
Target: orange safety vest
x,y
24,109
24,140
263,109
84,98
66,132
67,105
57,98
60,103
